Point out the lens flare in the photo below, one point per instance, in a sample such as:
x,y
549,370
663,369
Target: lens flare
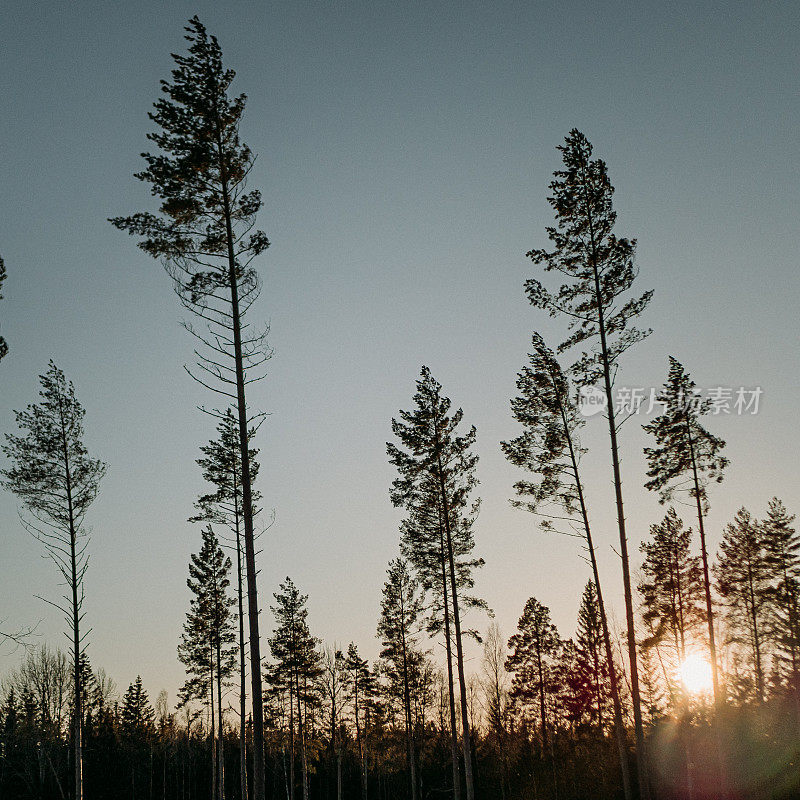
x,y
696,674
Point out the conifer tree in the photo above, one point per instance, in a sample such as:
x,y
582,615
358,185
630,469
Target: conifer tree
x,y
221,465
207,645
599,271
782,546
361,689
534,651
137,726
549,447
53,475
687,457
205,234
591,675
398,628
435,455
297,666
3,343
423,543
743,581
671,585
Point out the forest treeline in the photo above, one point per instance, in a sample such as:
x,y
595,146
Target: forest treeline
x,y
695,695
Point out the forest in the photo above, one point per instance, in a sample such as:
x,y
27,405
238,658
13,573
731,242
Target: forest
x,y
694,692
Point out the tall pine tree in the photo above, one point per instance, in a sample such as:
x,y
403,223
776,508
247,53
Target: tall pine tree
x,y
549,447
687,457
205,234
599,272
433,453
55,478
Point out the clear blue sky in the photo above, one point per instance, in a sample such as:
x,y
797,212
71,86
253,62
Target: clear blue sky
x,y
404,155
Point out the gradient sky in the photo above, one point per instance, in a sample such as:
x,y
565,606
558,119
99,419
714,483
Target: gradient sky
x,y
404,155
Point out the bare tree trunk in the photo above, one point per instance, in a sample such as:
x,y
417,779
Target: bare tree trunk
x,y
242,669
712,646
462,684
449,650
641,760
619,727
76,638
259,788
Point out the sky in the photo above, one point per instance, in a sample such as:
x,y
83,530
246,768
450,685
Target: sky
x,y
404,152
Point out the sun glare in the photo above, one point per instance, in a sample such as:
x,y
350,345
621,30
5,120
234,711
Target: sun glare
x,y
696,674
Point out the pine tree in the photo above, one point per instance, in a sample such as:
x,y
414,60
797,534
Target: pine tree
x,y
56,480
550,448
221,465
687,457
671,585
205,234
534,651
423,543
207,645
297,667
398,628
782,546
3,343
743,582
600,272
361,690
436,457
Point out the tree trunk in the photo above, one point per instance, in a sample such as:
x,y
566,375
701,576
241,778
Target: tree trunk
x,y
242,669
619,727
712,646
462,684
449,650
641,760
259,789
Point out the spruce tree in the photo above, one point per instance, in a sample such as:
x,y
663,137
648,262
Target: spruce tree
x,y
297,666
205,234
549,447
53,475
599,272
398,629
435,456
534,652
221,466
591,675
782,546
687,457
207,645
671,586
743,581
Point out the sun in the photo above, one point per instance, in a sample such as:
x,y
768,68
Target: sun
x,y
696,674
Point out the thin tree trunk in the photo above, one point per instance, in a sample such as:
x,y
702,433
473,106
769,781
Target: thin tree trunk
x,y
220,723
242,666
412,767
712,646
641,760
76,639
619,727
259,788
449,650
462,684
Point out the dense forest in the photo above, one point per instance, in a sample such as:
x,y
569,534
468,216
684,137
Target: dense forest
x,y
695,695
